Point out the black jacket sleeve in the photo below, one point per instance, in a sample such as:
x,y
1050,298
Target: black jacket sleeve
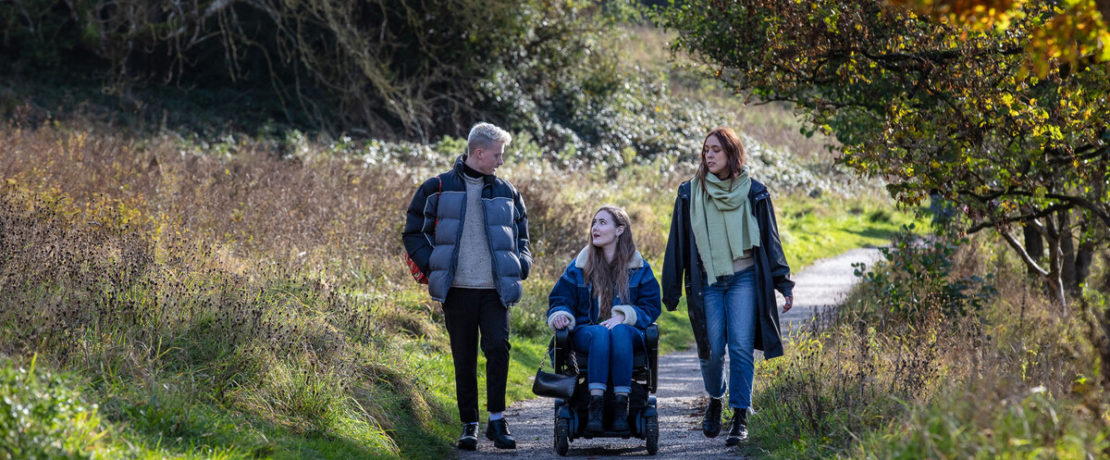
x,y
674,261
420,220
523,253
769,231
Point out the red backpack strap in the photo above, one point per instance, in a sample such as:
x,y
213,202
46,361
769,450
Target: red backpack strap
x,y
417,275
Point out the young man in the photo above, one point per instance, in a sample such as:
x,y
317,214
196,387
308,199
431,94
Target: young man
x,y
466,235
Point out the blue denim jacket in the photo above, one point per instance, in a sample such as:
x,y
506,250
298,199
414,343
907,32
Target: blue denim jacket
x,y
574,298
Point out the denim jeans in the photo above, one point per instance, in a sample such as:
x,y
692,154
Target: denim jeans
x,y
610,354
730,317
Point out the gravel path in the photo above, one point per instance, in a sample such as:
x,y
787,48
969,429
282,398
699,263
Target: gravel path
x,y
681,396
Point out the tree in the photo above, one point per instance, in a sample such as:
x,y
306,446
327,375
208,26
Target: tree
x,y
392,69
932,105
1077,31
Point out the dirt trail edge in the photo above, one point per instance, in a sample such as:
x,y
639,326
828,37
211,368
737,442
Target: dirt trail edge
x,y
681,395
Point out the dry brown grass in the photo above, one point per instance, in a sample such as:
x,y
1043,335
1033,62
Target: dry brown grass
x,y
252,202
135,261
863,368
201,228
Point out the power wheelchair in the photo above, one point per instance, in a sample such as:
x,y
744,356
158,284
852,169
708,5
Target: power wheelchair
x,y
571,415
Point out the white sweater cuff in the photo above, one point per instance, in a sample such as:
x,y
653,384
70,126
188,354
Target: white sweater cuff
x,y
628,312
551,319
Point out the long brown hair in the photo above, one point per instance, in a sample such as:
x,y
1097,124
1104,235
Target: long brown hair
x,y
734,152
610,278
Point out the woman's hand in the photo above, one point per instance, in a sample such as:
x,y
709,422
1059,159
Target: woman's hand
x,y
788,305
560,322
614,321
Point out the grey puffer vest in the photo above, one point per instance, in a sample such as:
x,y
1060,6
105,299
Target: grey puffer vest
x,y
434,226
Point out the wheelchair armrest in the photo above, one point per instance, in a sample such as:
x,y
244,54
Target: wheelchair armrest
x,y
562,338
651,341
562,350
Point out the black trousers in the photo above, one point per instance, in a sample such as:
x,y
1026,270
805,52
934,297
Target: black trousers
x,y
468,312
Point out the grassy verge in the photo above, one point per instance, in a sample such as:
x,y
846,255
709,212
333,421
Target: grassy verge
x,y
942,352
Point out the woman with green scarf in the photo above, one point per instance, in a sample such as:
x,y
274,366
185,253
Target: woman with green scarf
x,y
724,250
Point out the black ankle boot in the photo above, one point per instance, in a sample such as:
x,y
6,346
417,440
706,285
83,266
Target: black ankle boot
x,y
711,424
597,405
739,431
620,413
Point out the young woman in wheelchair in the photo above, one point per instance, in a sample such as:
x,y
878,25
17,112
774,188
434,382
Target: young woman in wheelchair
x,y
607,297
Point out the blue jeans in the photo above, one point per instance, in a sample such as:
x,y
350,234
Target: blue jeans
x,y
610,353
730,314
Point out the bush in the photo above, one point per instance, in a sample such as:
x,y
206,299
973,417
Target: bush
x,y
916,279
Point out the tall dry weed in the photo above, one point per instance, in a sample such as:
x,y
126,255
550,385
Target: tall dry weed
x,y
136,260
873,363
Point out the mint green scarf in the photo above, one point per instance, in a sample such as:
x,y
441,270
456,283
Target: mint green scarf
x,y
722,221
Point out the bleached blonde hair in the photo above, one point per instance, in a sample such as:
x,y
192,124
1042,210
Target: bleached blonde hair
x,y
484,135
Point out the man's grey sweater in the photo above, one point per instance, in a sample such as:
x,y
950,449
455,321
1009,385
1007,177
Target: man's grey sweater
x,y
474,269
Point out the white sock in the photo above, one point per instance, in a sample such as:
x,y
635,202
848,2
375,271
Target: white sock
x,y
495,416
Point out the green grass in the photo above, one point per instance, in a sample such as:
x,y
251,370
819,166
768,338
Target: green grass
x,y
41,415
818,228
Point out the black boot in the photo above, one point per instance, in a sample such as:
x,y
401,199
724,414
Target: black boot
x,y
711,424
739,431
498,432
597,405
469,438
620,413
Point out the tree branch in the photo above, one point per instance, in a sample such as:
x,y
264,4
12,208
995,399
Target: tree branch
x,y
1022,218
1032,264
1083,203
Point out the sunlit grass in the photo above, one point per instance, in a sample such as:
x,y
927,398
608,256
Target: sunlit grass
x,y
817,228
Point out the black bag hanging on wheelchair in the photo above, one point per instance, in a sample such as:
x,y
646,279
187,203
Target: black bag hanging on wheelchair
x,y
551,384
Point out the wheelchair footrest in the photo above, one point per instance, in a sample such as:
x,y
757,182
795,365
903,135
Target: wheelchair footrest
x,y
609,434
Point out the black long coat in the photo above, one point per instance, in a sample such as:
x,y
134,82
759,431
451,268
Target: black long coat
x,y
682,267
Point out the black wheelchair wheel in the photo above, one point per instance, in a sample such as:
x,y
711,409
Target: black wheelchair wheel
x,y
651,427
562,435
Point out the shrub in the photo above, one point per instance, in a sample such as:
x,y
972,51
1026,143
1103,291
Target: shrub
x,y
916,277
